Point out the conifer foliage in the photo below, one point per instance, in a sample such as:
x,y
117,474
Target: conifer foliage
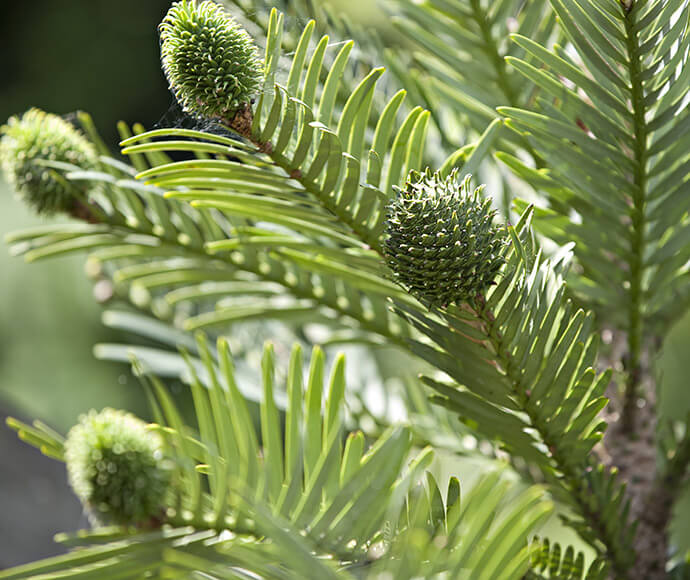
x,y
323,192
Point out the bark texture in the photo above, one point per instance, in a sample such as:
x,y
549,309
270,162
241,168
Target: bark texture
x,y
632,449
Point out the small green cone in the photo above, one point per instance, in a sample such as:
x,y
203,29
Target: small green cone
x,y
36,137
210,61
117,468
442,243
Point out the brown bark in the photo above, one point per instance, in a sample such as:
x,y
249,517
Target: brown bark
x,y
632,449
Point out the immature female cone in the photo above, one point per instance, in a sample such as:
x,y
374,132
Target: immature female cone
x,y
210,61
442,243
27,143
117,468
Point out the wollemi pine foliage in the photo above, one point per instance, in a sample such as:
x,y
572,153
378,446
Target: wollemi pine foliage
x,y
317,190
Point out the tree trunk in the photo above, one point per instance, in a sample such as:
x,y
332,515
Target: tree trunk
x,y
632,449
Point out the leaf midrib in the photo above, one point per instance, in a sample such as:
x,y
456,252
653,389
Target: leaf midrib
x,y
639,199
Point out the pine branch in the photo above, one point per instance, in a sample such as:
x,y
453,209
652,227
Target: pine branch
x,y
130,232
550,561
610,146
298,501
461,47
574,477
306,162
299,197
638,245
629,165
533,381
116,239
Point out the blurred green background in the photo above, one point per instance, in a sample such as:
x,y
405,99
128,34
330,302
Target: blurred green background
x,y
62,56
103,58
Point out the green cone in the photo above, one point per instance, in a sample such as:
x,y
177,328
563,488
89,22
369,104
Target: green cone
x,y
117,468
441,242
36,137
210,61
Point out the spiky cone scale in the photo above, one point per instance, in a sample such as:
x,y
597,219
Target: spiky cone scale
x,y
441,240
35,137
210,61
117,468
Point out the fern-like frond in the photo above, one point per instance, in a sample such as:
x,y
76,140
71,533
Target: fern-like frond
x,y
368,53
435,536
309,180
296,173
461,46
192,266
551,561
305,472
522,361
326,203
611,127
314,152
277,499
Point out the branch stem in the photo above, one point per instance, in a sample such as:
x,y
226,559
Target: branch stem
x,y
572,478
638,245
512,97
369,325
496,59
242,125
